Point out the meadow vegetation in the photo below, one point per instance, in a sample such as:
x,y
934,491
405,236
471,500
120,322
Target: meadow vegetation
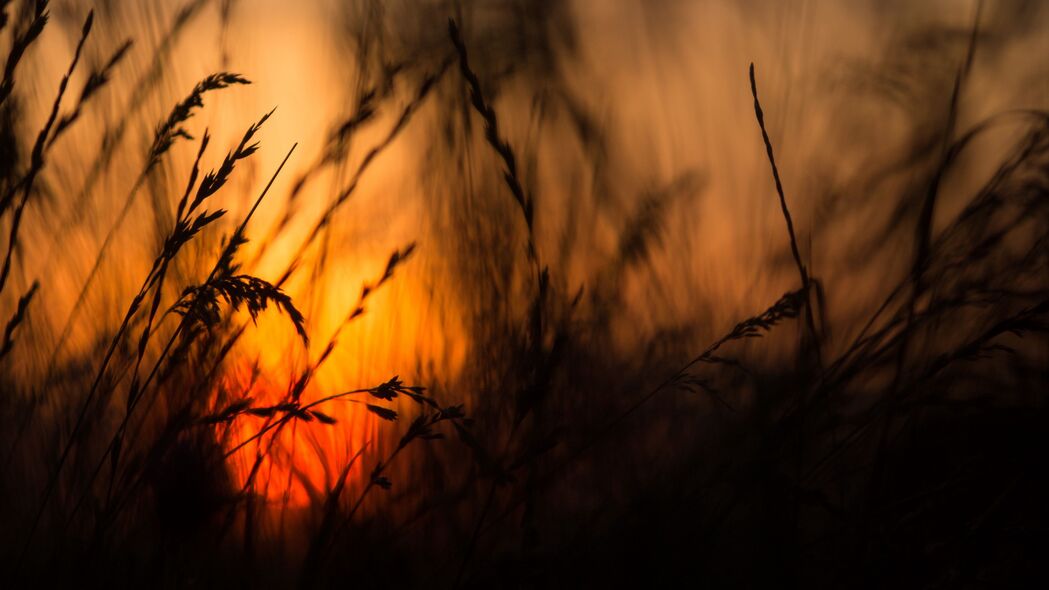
x,y
832,435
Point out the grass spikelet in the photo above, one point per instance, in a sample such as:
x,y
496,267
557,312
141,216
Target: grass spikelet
x,y
172,128
21,42
18,317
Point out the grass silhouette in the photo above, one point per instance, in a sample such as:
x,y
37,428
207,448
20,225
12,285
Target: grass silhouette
x,y
896,447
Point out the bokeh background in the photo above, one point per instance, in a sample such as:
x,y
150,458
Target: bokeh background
x,y
655,213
